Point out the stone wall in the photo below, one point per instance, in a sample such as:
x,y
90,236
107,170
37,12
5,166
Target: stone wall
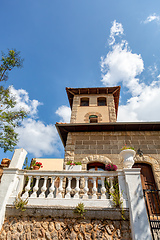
x,y
81,145
80,114
27,228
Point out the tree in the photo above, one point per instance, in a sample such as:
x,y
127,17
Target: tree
x,y
9,117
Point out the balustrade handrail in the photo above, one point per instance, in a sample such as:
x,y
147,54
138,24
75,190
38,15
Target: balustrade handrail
x,y
65,173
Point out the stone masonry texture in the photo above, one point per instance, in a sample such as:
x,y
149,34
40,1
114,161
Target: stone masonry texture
x,y
28,228
108,144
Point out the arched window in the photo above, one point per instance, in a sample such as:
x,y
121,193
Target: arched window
x,y
101,101
84,102
93,119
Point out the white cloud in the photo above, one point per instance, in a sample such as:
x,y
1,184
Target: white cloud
x,y
116,29
152,18
121,66
65,113
144,107
23,102
37,138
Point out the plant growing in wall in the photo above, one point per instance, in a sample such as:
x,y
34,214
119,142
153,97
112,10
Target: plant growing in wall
x,y
20,203
80,210
116,196
117,199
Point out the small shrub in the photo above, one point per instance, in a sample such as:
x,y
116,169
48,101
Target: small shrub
x,y
80,209
20,203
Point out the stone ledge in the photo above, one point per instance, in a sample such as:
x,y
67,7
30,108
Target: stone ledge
x,y
56,211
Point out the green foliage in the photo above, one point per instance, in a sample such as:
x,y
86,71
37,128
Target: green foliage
x,y
126,147
25,165
20,203
116,196
73,163
9,117
8,62
80,210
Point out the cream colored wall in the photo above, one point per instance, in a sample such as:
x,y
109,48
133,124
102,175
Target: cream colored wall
x,y
92,108
82,111
54,164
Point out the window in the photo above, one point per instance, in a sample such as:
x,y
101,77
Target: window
x,y
101,101
84,101
93,119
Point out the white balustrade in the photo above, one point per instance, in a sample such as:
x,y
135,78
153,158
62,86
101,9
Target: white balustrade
x,y
43,188
103,189
27,188
59,185
35,188
94,189
111,187
60,189
77,189
52,188
85,196
68,189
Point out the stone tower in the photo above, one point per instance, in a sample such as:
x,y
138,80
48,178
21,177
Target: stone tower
x,y
84,137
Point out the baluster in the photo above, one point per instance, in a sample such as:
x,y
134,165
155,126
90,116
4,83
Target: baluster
x,y
43,188
111,188
51,189
85,196
107,188
35,189
60,189
27,188
103,189
77,189
94,189
68,189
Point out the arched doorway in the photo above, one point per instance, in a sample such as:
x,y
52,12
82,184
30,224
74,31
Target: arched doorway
x,y
95,166
149,188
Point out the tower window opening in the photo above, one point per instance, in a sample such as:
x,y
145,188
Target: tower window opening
x,y
93,119
101,101
84,102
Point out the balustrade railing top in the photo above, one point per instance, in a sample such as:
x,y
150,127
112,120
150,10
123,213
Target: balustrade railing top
x,y
56,187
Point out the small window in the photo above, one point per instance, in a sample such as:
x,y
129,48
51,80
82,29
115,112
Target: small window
x,y
84,101
93,119
101,101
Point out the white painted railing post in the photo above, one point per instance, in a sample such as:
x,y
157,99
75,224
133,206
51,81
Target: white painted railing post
x,y
68,189
35,188
51,189
60,189
77,189
85,196
94,189
103,189
111,188
27,188
138,215
8,180
122,189
18,158
43,188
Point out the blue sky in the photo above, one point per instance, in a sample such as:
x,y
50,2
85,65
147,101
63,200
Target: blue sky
x,y
77,43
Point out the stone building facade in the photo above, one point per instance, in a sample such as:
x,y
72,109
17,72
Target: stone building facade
x,y
102,140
